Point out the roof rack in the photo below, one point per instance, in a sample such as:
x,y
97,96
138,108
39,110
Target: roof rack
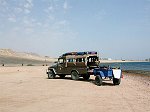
x,y
80,53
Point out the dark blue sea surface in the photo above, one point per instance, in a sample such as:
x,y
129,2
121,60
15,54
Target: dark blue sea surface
x,y
143,66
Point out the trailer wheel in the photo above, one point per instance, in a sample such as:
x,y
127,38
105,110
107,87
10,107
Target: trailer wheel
x,y
51,75
74,75
86,77
116,81
98,80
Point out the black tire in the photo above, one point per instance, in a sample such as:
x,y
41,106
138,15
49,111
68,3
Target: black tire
x,y
116,81
86,77
62,76
74,75
98,80
51,75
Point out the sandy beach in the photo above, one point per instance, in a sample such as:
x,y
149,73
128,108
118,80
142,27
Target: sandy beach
x,y
27,89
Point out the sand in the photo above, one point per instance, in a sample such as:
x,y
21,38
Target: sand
x,y
27,89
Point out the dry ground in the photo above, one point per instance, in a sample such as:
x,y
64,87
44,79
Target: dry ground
x,y
27,89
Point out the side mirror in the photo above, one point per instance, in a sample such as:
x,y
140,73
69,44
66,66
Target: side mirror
x,y
56,62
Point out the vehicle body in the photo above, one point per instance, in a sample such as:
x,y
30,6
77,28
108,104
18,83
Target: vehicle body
x,y
107,72
76,64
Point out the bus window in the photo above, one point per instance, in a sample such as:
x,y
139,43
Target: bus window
x,y
80,60
92,59
60,61
70,60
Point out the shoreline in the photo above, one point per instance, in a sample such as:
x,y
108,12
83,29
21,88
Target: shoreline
x,y
137,72
121,61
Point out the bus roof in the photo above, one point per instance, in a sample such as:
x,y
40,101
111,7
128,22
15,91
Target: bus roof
x,y
80,54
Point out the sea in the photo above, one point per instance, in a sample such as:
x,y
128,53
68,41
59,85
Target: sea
x,y
135,67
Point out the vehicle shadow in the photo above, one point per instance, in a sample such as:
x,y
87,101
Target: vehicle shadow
x,y
87,81
107,84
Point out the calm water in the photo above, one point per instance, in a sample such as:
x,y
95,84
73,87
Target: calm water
x,y
144,66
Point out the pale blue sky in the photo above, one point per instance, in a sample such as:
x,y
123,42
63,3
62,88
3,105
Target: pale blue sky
x,y
115,28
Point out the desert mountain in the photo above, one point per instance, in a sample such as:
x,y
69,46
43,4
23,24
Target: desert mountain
x,y
12,53
11,56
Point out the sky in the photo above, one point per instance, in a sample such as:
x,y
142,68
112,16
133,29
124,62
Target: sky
x,y
117,29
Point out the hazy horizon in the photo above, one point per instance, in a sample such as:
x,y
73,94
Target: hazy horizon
x,y
117,29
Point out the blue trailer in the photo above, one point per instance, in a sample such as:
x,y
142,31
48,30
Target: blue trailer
x,y
107,72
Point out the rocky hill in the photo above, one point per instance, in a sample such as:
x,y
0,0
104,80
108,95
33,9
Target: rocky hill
x,y
9,56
